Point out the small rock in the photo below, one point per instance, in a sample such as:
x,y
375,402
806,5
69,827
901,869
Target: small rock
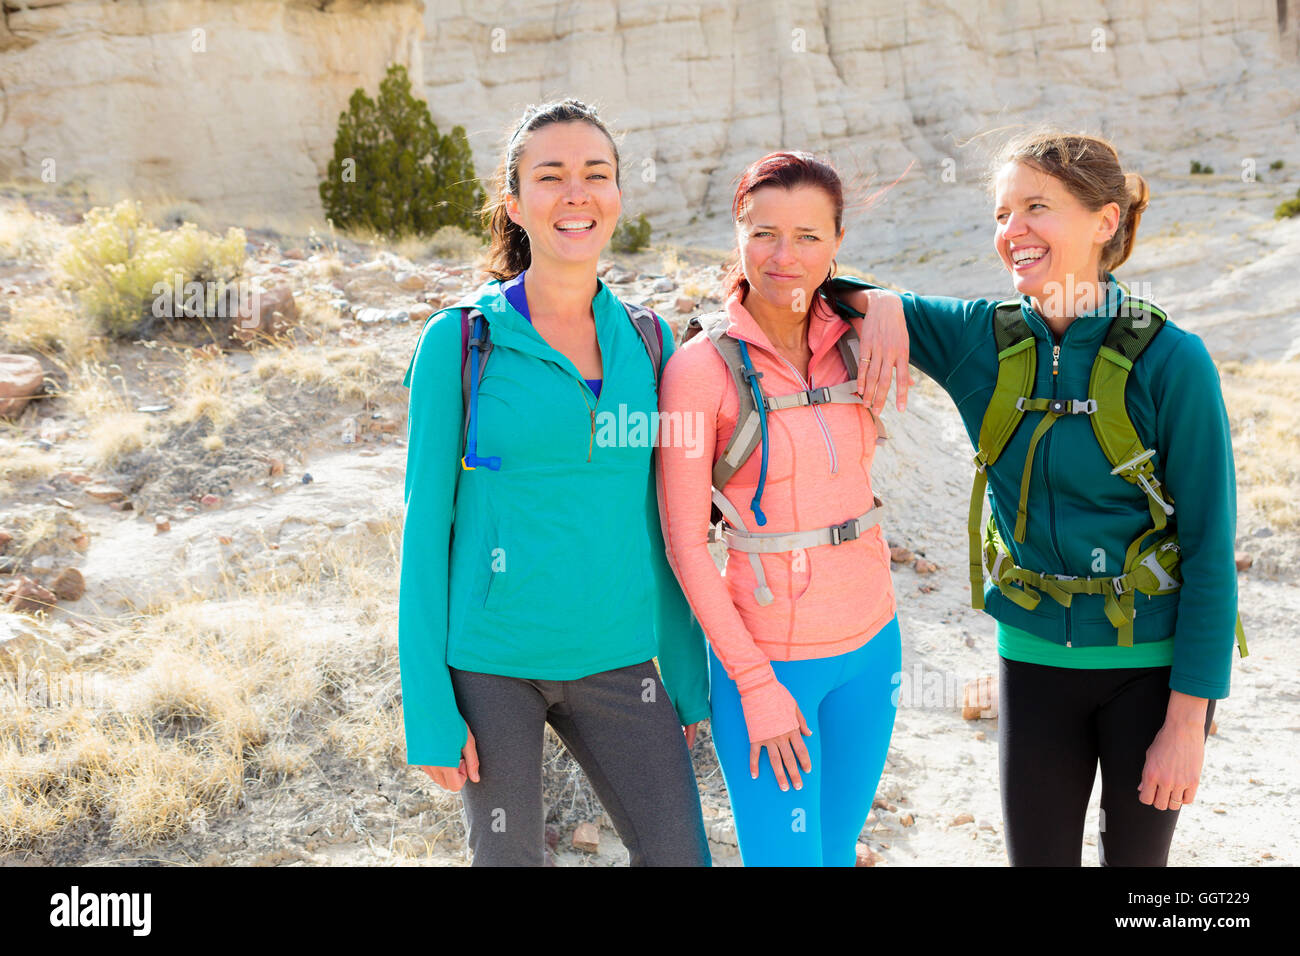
x,y
961,819
210,501
980,735
1214,727
985,825
21,377
866,856
69,585
64,502
980,699
1244,561
295,254
684,304
420,312
1220,810
161,523
922,566
552,837
369,316
306,478
224,539
586,838
398,315
24,594
81,542
618,276
663,285
5,538
102,492
900,555
907,820
409,281
277,467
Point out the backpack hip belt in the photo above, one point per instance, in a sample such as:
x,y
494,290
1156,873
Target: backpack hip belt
x,y
750,434
1148,568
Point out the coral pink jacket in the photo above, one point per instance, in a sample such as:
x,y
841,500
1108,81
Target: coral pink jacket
x,y
830,599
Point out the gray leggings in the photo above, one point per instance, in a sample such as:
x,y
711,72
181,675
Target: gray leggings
x,y
621,728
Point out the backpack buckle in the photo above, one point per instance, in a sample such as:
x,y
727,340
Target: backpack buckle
x,y
818,396
845,531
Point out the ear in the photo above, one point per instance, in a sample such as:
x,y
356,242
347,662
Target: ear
x,y
512,209
838,241
1108,224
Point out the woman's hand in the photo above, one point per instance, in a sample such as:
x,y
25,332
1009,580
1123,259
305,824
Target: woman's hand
x,y
690,732
786,753
453,778
884,347
1173,766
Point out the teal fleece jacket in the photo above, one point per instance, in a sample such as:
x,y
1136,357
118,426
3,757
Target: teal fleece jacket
x,y
553,567
1077,509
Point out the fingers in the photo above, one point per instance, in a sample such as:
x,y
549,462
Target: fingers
x,y
690,735
803,724
778,768
753,761
791,764
878,391
469,759
904,379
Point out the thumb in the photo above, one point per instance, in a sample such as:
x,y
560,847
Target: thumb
x,y
803,724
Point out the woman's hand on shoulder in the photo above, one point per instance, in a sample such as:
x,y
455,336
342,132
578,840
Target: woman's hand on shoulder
x,y
453,778
884,341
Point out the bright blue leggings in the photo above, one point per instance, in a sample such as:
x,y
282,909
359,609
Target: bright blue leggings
x,y
848,702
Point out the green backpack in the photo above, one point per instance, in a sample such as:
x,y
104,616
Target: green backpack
x,y
1152,559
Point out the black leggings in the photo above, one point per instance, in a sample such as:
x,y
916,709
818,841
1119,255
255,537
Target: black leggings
x,y
622,729
1055,724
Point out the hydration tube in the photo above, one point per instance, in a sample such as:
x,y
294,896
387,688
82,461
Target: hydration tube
x,y
753,377
471,460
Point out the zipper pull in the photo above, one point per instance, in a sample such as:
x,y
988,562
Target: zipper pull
x,y
591,441
1056,359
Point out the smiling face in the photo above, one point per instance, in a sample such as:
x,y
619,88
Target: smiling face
x,y
1048,240
568,200
787,241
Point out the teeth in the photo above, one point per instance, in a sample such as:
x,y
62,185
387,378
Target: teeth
x,y
575,226
1027,255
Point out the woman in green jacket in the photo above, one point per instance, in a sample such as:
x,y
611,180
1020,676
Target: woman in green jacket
x,y
535,587
1104,657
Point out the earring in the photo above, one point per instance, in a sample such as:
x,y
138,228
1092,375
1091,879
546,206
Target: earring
x,y
831,275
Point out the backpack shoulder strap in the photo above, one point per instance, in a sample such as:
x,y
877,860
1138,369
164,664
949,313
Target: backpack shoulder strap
x,y
747,434
1131,331
651,332
1017,368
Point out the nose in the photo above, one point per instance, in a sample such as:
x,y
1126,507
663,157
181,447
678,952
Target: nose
x,y
1014,227
576,194
784,250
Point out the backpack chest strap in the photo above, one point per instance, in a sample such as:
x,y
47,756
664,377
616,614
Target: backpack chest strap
x,y
842,394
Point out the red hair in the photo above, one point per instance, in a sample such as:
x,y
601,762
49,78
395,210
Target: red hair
x,y
787,170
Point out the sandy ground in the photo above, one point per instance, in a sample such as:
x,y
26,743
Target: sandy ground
x,y
941,768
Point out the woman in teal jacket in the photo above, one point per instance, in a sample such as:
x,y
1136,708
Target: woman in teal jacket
x,y
1087,677
535,587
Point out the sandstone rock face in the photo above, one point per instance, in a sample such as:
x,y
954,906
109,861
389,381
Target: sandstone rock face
x,y
235,104
702,89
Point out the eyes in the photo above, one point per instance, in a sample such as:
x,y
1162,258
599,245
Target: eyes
x,y
766,232
551,177
1001,217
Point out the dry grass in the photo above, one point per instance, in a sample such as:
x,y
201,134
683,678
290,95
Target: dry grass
x,y
28,236
19,463
1261,398
209,696
347,372
49,325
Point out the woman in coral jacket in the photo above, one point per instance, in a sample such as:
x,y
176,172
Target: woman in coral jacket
x,y
534,585
804,643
